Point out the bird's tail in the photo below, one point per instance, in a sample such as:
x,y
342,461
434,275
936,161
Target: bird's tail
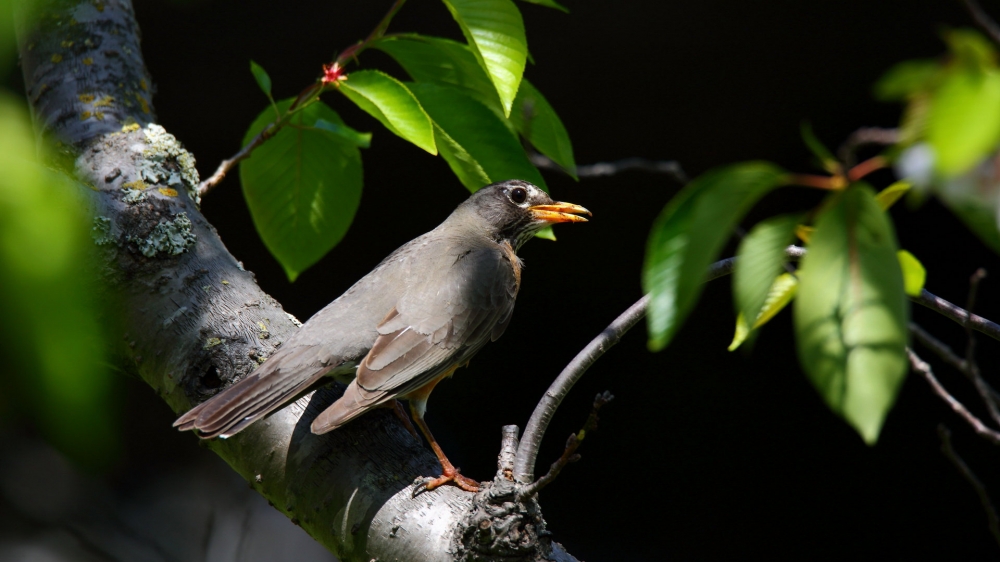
x,y
263,391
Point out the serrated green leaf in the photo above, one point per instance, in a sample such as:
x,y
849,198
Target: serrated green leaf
x,y
549,4
851,312
302,186
963,122
263,80
391,102
495,32
781,292
358,139
826,159
478,142
888,196
914,274
535,119
759,259
907,79
689,234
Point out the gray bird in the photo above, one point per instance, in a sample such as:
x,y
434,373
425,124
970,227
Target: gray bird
x,y
420,314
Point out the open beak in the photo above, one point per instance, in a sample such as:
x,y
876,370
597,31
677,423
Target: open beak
x,y
559,212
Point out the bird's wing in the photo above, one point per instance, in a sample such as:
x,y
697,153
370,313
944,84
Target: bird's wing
x,y
440,322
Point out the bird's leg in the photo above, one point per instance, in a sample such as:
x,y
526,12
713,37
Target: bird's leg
x,y
448,471
397,409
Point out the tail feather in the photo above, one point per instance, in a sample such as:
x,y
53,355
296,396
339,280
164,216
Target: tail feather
x,y
268,388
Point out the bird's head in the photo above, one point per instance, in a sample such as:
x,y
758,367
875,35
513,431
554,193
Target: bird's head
x,y
514,210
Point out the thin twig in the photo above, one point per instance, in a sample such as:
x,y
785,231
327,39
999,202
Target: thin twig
x,y
983,19
351,52
569,453
527,451
958,314
863,137
921,367
943,351
972,369
970,477
669,167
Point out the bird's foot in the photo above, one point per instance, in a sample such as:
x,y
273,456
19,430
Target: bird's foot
x,y
453,476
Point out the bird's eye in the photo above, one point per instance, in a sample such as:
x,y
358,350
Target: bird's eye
x,y
518,195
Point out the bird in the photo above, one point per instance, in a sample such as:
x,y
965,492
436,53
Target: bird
x,y
424,311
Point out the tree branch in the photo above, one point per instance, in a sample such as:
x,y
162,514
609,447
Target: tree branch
x,y
669,167
924,369
984,498
983,20
958,314
527,452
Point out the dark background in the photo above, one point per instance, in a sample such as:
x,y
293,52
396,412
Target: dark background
x,y
704,454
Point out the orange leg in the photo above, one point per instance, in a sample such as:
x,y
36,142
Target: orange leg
x,y
397,409
448,471
418,402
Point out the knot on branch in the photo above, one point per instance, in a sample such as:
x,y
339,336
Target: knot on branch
x,y
501,526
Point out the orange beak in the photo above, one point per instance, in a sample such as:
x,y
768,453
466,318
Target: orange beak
x,y
559,212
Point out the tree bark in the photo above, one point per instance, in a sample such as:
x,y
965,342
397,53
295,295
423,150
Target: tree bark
x,y
194,320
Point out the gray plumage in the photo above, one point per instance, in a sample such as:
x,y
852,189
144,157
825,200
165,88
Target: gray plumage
x,y
425,309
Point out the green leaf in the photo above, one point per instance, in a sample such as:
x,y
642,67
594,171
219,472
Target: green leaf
x,y
851,311
689,234
495,32
907,79
914,274
535,119
444,62
479,146
263,80
970,48
826,159
548,3
781,292
391,102
963,122
759,259
303,186
888,196
358,139
56,371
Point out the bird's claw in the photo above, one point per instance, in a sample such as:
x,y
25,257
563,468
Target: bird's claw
x,y
427,484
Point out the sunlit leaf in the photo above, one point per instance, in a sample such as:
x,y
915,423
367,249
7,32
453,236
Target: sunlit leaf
x,y
263,80
888,196
689,234
477,139
781,292
302,186
56,371
804,232
914,274
760,258
907,79
963,122
851,312
495,32
392,103
535,119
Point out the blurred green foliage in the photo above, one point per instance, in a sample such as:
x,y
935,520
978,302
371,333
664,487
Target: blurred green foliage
x,y
53,328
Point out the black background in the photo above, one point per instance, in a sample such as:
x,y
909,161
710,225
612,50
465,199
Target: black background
x,y
704,454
